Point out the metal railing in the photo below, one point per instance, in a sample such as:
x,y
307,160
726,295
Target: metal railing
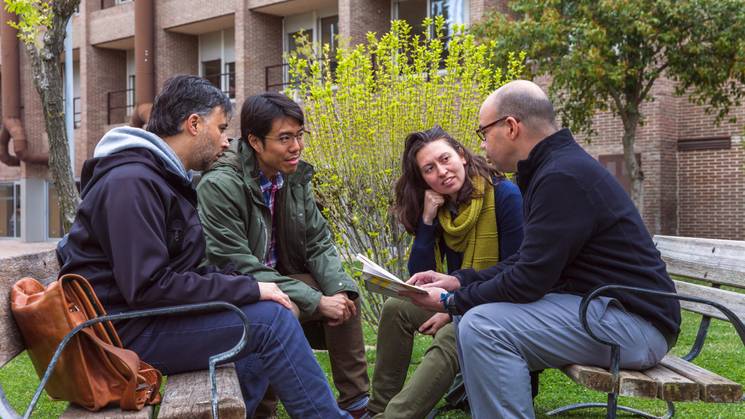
x,y
276,77
77,113
275,80
119,104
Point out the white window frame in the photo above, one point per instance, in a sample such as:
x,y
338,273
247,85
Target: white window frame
x,y
224,83
466,10
16,186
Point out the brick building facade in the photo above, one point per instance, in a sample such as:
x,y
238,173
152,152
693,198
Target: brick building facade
x,y
694,170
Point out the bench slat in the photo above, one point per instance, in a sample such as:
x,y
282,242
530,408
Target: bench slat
x,y
75,412
188,395
632,383
42,266
732,300
672,386
713,260
712,387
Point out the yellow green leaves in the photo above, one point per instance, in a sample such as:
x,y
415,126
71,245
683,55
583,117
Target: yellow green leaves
x,y
361,108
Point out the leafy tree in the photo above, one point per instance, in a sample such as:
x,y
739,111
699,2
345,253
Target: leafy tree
x,y
361,104
41,27
606,55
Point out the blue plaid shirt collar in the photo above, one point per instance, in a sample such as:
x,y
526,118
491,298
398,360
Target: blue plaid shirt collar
x,y
266,184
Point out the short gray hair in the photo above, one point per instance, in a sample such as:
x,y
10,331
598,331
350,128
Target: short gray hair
x,y
529,104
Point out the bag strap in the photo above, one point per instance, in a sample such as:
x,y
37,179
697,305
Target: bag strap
x,y
78,288
143,381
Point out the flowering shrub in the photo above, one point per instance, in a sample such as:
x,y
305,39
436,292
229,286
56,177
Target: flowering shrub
x,y
360,105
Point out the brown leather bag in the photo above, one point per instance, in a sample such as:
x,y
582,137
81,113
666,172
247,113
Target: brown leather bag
x,y
94,369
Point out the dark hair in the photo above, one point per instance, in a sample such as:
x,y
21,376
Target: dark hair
x,y
410,186
259,112
182,96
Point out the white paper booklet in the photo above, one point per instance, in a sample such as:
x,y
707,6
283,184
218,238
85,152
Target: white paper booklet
x,y
380,281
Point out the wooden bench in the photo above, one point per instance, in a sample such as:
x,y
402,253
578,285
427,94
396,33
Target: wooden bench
x,y
186,395
713,264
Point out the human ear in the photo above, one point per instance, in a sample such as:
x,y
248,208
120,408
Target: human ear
x,y
192,123
255,143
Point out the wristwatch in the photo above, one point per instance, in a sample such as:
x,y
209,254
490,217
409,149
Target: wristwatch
x,y
448,302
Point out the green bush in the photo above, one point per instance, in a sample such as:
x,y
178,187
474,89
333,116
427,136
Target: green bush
x,y
360,105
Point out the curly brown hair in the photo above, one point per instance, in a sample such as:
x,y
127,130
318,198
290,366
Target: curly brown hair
x,y
410,187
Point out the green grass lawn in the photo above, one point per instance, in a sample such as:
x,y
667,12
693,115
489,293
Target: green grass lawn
x,y
723,353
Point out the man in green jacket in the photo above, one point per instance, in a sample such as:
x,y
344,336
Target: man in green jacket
x,y
259,214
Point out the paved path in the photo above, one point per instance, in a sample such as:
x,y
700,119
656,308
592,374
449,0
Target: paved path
x,y
11,247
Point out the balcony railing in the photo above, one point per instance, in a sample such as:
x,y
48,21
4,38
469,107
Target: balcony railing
x,y
276,76
119,104
76,112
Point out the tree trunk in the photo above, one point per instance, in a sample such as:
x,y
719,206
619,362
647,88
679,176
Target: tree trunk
x,y
48,81
47,76
633,169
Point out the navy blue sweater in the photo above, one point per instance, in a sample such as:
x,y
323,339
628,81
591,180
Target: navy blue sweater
x,y
138,240
582,231
509,213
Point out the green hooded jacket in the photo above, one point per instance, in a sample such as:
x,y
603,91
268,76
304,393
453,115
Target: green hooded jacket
x,y
237,226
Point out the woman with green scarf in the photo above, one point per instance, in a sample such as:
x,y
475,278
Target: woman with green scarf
x,y
463,214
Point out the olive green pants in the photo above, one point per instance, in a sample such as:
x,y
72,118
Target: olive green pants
x,y
399,322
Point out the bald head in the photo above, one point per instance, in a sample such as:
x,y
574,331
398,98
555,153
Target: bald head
x,y
525,101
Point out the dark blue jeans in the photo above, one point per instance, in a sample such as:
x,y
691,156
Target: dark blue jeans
x,y
277,353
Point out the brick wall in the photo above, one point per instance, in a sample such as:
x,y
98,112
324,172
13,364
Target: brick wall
x,y
110,24
175,53
712,193
258,41
357,17
95,86
172,13
711,182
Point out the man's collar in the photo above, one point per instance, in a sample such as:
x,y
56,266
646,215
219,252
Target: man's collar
x,y
266,183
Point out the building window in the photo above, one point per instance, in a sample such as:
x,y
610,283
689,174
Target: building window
x,y
329,32
105,4
617,167
211,71
414,11
228,80
217,60
293,39
10,210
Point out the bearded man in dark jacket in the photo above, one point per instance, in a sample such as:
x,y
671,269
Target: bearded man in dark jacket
x,y
137,238
581,232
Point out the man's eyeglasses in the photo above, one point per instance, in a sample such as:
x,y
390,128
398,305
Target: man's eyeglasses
x,y
286,139
481,131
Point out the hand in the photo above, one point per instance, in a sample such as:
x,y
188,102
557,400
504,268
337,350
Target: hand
x,y
337,308
429,301
432,203
434,323
434,279
269,291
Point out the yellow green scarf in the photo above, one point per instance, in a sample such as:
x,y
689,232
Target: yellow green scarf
x,y
473,232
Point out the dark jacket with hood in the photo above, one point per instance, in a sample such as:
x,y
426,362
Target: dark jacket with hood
x,y
137,236
581,231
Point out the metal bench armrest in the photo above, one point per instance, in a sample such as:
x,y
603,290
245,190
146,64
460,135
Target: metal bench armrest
x,y
213,360
731,316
